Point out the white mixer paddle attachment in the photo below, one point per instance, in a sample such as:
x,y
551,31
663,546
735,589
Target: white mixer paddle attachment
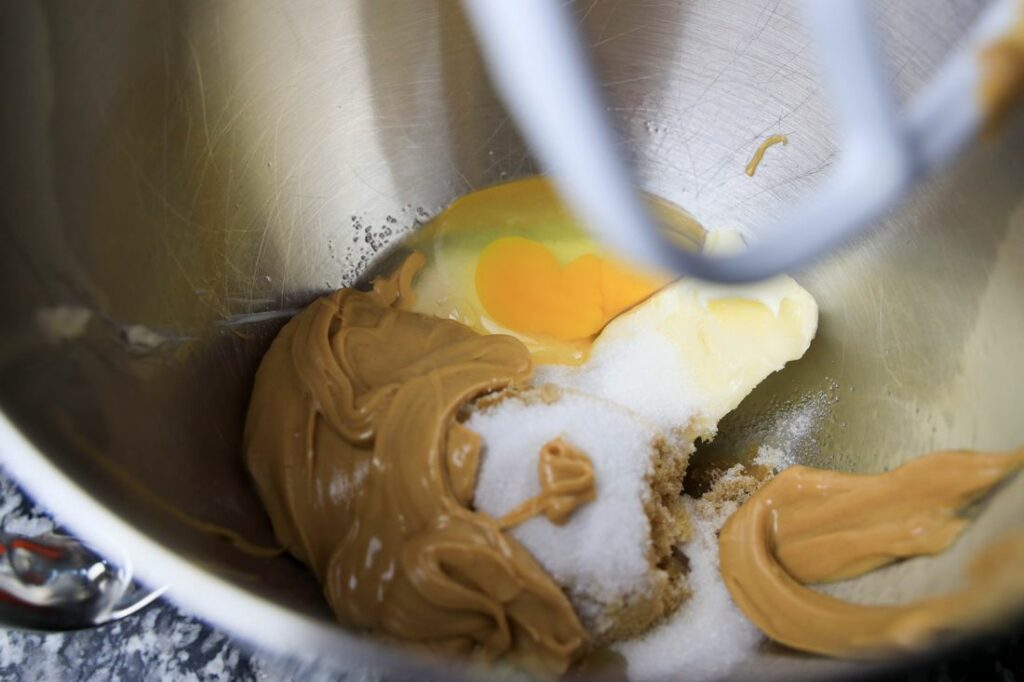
x,y
540,67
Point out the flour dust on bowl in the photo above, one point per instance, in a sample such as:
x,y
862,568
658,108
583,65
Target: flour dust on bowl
x,y
181,180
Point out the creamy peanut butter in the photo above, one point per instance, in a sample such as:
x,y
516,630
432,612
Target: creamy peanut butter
x,y
755,160
810,525
567,481
1002,67
353,443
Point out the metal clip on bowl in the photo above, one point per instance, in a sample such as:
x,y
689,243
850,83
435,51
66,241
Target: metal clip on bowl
x,y
54,582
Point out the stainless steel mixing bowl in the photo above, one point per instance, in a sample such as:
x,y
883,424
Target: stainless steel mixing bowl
x,y
178,176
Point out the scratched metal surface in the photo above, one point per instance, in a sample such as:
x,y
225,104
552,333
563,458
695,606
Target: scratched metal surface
x,y
188,173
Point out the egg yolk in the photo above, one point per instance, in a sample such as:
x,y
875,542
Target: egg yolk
x,y
523,287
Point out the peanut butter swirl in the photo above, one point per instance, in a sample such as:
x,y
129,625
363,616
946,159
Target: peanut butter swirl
x,y
566,481
809,525
352,441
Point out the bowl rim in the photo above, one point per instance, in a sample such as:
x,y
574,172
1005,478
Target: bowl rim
x,y
256,620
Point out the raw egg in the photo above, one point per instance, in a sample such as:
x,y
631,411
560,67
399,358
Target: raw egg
x,y
512,259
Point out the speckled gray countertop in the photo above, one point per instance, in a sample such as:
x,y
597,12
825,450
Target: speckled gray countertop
x,y
164,643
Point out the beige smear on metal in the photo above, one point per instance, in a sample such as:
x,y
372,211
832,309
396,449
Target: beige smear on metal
x,y
755,160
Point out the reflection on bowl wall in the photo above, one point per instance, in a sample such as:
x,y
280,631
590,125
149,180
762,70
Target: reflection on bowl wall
x,y
182,175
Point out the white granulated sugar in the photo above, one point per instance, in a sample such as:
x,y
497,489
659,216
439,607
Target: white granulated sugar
x,y
644,372
708,635
804,419
794,428
600,554
775,459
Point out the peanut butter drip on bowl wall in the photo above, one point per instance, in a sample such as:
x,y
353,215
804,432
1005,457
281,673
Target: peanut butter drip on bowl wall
x,y
1002,72
814,526
352,441
755,160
